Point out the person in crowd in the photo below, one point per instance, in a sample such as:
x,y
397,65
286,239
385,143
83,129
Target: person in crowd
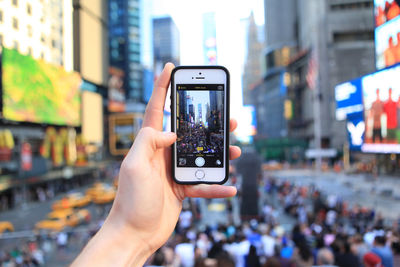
x,y
393,11
376,111
325,258
345,257
372,260
383,251
390,108
252,259
358,247
390,53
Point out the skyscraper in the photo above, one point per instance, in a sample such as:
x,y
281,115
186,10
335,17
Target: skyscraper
x,y
166,41
36,28
253,65
199,113
339,35
124,41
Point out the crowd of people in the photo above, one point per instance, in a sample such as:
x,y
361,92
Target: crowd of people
x,y
199,138
326,232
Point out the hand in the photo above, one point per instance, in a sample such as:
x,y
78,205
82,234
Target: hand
x,y
148,202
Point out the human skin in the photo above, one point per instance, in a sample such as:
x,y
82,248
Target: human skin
x,y
148,202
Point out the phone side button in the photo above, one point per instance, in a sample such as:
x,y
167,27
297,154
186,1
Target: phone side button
x,y
199,174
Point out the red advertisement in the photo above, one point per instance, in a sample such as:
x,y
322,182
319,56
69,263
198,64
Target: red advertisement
x,y
116,92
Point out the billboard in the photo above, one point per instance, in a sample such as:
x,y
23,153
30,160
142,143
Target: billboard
x,y
381,98
38,92
247,124
371,106
116,91
209,39
387,33
348,98
123,129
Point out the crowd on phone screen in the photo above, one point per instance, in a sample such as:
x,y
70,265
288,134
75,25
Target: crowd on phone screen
x,y
199,137
327,232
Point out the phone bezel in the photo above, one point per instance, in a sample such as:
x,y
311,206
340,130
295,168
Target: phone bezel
x,y
226,117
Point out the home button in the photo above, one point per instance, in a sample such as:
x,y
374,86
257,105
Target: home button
x,y
199,174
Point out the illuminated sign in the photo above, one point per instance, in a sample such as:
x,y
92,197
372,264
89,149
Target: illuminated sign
x,y
387,33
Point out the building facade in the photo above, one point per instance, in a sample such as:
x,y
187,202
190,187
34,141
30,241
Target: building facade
x,y
124,42
166,41
339,33
253,65
35,28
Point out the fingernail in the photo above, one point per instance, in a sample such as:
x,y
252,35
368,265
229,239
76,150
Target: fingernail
x,y
170,134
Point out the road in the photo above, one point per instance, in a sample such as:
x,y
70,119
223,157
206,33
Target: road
x,y
27,215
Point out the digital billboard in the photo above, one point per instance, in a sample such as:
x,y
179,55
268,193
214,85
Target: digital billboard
x,y
38,92
123,129
381,98
116,91
387,33
371,106
247,124
348,98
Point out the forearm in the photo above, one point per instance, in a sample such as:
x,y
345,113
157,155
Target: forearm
x,y
113,246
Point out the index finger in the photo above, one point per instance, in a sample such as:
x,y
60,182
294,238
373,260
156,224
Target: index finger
x,y
153,116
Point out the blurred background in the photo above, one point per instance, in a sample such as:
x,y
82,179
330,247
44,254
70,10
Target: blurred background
x,y
315,87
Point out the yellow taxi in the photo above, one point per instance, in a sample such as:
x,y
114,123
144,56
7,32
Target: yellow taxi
x,y
106,196
97,189
6,226
73,200
59,219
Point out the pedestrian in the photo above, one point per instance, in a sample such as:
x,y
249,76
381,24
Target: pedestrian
x,y
383,251
252,259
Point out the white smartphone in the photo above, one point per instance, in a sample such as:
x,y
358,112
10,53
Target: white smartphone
x,y
200,118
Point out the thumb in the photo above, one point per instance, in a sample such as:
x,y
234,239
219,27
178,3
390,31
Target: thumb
x,y
149,140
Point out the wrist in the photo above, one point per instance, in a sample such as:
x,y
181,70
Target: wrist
x,y
115,244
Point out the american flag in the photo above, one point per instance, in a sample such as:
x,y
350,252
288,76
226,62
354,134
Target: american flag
x,y
312,72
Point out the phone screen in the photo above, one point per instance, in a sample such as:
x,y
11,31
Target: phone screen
x,y
200,125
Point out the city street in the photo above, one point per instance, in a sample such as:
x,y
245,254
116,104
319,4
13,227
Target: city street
x,y
27,215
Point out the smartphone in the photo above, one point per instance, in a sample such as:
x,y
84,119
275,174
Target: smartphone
x,y
200,118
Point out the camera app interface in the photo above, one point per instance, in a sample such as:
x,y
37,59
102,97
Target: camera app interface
x,y
200,125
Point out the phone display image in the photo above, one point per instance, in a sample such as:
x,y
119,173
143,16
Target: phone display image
x,y
200,125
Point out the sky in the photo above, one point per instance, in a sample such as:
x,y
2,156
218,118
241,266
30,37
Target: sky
x,y
202,98
231,37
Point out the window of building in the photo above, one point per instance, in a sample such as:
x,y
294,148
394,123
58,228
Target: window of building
x,y
1,15
41,55
29,29
42,38
29,9
1,39
30,51
340,37
15,45
53,43
15,3
15,23
352,5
